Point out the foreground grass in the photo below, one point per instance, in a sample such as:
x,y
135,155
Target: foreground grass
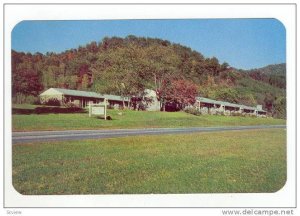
x,y
235,161
131,119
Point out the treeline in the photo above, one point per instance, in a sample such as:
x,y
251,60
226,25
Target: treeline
x,y
128,66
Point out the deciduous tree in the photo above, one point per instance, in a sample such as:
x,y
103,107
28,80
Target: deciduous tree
x,y
181,93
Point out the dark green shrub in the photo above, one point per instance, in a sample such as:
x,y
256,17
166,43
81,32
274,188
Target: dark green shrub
x,y
52,102
70,105
45,110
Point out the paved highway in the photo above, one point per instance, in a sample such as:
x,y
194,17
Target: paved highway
x,y
41,136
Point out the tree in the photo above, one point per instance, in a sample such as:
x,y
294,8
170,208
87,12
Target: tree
x,y
181,93
123,71
227,94
84,76
213,66
85,82
26,81
224,66
280,107
269,102
163,67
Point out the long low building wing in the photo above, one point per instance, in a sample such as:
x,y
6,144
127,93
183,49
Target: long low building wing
x,y
78,93
228,104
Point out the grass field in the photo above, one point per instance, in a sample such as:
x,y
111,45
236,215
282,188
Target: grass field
x,y
236,161
130,119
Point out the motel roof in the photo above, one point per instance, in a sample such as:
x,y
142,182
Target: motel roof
x,y
88,94
224,103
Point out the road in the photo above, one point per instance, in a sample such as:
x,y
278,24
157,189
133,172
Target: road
x,y
41,136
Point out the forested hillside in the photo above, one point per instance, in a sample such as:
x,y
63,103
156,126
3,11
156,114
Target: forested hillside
x,y
273,74
127,66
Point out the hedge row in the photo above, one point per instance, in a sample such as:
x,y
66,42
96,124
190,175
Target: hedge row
x,y
47,110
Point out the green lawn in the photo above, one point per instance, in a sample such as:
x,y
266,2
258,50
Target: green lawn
x,y
232,161
130,119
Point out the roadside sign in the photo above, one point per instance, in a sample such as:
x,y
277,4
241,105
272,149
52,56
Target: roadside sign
x,y
98,109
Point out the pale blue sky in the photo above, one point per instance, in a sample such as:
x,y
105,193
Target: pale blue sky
x,y
243,43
